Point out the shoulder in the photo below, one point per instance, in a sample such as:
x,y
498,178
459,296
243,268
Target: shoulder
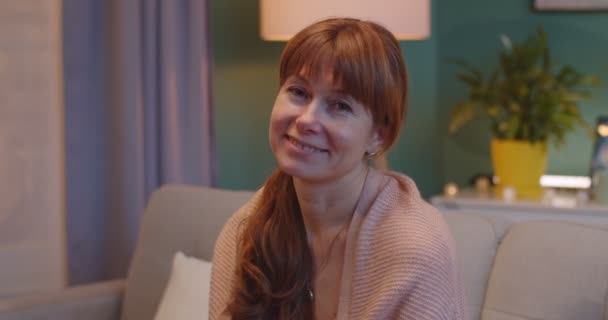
x,y
406,244
228,237
400,217
225,257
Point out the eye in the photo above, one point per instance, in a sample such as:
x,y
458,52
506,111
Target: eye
x,y
297,92
342,106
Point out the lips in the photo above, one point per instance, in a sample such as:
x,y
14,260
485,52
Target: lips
x,y
303,146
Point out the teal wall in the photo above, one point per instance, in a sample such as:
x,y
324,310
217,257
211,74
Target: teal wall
x,y
245,77
245,80
470,29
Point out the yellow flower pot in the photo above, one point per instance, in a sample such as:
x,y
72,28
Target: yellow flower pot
x,y
520,165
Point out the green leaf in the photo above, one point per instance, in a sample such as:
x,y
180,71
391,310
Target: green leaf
x,y
461,114
514,107
493,110
469,67
589,80
587,127
468,79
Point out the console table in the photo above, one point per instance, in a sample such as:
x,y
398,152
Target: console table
x,y
468,201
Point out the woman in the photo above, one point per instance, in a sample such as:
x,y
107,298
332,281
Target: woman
x,y
328,237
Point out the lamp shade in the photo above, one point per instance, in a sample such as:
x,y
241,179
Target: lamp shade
x,y
406,19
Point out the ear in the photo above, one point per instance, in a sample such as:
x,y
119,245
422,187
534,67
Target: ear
x,y
377,140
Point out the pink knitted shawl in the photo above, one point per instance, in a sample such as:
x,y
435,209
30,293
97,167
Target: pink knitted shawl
x,y
399,261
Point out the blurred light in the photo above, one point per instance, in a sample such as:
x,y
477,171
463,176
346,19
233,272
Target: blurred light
x,y
567,182
406,19
450,190
602,130
554,181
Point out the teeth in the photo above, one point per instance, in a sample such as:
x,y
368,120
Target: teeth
x,y
303,147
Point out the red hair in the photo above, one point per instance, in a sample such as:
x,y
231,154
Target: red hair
x,y
275,266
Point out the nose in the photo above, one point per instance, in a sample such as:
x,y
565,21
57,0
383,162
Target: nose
x,y
309,119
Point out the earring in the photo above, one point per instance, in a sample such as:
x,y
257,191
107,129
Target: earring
x,y
371,154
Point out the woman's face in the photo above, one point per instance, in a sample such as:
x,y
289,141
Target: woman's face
x,y
318,132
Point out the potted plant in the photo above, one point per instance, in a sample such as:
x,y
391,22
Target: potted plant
x,y
530,101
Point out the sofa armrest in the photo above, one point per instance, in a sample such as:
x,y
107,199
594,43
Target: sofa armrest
x,y
99,301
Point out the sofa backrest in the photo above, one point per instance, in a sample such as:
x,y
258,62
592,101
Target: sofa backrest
x,y
476,241
177,218
549,270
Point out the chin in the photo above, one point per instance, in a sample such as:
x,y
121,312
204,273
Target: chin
x,y
300,172
295,170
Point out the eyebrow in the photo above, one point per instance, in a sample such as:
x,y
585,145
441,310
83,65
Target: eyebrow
x,y
337,90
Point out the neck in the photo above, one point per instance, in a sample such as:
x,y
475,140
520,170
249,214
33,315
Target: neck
x,y
328,207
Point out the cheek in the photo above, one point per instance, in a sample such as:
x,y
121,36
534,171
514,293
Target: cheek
x,y
277,126
277,122
281,115
354,138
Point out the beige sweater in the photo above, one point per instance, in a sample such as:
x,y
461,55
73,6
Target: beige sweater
x,y
399,261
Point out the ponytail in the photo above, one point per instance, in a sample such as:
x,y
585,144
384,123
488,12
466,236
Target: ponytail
x,y
275,264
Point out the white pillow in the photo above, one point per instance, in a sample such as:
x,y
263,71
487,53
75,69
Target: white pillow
x,y
187,294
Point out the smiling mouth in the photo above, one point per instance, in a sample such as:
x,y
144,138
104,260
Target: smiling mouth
x,y
303,147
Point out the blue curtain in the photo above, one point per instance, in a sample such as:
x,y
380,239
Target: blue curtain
x,y
138,115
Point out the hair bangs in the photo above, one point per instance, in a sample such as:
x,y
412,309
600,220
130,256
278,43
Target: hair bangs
x,y
308,59
346,54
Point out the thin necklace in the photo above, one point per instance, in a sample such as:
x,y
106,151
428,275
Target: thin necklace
x,y
311,293
326,257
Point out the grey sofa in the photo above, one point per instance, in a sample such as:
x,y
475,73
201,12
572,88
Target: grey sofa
x,y
511,271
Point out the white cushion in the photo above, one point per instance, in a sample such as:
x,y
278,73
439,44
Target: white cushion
x,y
186,296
